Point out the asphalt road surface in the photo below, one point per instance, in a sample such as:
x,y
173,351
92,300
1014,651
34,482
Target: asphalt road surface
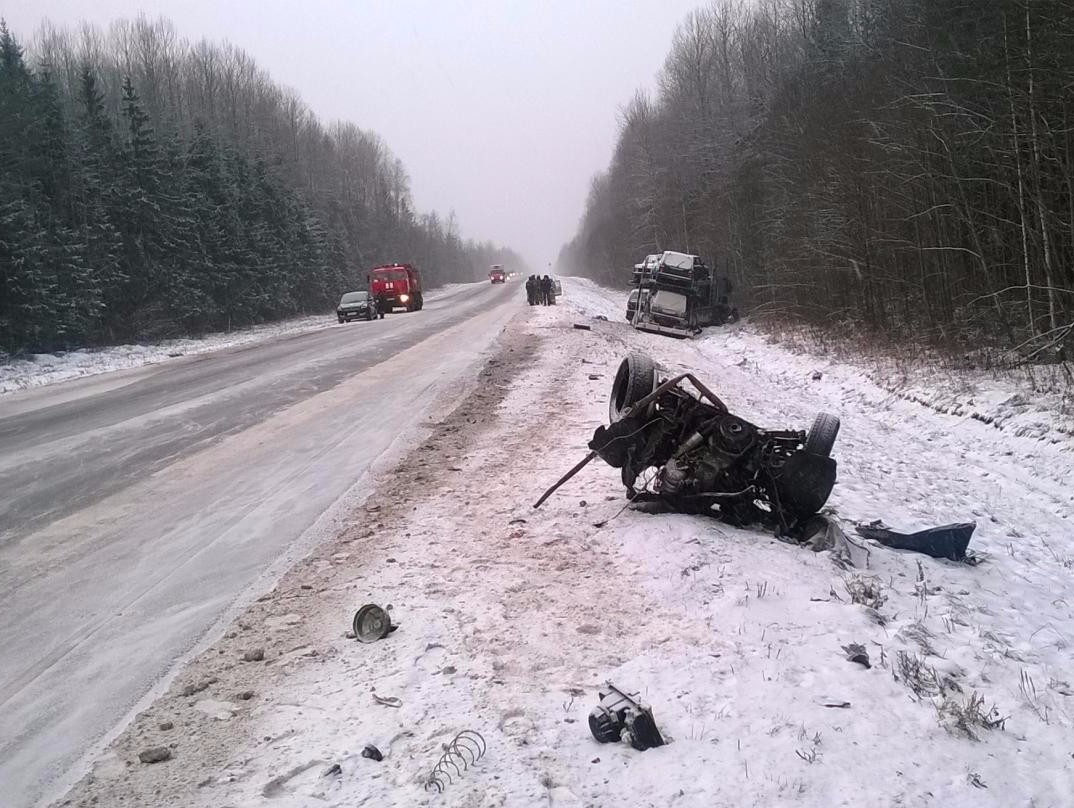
x,y
138,506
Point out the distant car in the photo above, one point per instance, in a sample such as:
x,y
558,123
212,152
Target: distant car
x,y
356,306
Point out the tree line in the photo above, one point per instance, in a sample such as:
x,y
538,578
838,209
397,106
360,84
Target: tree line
x,y
150,186
898,168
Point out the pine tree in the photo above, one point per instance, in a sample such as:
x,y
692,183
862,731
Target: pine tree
x,y
97,206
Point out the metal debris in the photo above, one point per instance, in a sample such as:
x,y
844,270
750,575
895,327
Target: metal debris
x,y
464,751
372,623
947,541
621,717
856,653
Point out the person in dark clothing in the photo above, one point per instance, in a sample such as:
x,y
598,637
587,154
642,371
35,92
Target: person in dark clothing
x,y
382,306
531,290
546,290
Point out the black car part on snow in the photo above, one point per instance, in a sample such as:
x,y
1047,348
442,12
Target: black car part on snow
x,y
947,541
621,717
694,456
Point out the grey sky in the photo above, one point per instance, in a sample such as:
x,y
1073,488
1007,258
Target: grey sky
x,y
500,110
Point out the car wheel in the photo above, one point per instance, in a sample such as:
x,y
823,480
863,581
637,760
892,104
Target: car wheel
x,y
805,484
821,436
634,380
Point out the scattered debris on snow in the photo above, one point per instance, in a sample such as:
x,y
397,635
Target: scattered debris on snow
x,y
746,642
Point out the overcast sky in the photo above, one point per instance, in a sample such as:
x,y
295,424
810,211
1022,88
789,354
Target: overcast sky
x,y
501,110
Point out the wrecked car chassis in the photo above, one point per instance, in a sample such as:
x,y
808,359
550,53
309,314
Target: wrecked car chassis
x,y
685,450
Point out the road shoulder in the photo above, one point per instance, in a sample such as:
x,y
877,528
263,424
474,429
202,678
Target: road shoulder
x,y
213,705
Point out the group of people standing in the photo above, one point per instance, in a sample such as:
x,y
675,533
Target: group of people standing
x,y
540,291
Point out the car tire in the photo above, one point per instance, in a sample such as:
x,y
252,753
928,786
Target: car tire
x,y
822,435
805,484
634,380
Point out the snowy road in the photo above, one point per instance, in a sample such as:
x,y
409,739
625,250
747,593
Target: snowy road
x,y
139,504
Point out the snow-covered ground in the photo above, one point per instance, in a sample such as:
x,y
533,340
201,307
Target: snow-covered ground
x,y
1034,401
510,619
36,370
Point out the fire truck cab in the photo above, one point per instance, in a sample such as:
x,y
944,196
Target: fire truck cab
x,y
396,286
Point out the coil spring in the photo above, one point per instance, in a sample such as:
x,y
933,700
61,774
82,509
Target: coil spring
x,y
464,751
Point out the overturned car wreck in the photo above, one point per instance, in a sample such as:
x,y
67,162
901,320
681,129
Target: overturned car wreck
x,y
684,449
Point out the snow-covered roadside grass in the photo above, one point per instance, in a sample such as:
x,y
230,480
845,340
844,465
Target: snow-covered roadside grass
x,y
1033,400
510,619
36,370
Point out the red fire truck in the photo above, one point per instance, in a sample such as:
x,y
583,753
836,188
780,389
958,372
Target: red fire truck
x,y
396,286
497,275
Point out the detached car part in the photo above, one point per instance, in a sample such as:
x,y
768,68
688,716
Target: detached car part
x,y
948,541
621,717
685,449
372,623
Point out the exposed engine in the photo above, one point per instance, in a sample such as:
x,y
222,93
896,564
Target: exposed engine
x,y
685,448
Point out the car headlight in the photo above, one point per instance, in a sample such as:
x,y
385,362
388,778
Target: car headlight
x,y
404,298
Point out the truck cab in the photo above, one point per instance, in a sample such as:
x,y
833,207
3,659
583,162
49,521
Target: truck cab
x,y
396,286
497,275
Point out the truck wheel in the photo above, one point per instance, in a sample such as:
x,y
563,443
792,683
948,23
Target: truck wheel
x,y
634,380
821,436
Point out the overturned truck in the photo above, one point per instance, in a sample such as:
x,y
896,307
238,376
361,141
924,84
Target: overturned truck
x,y
684,448
678,295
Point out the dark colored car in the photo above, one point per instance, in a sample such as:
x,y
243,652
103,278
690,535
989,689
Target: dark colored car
x,y
356,306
